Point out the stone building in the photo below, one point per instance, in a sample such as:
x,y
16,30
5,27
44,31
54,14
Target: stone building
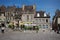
x,y
27,15
42,19
56,21
2,14
10,13
39,18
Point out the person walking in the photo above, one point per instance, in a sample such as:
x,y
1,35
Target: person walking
x,y
2,28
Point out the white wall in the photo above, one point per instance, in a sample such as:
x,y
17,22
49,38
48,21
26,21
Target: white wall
x,y
58,20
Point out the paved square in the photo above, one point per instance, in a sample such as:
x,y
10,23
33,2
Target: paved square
x,y
30,35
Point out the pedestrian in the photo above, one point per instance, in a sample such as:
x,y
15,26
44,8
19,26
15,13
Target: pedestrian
x,y
2,28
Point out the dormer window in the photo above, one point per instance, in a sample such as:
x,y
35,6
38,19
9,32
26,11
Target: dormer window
x,y
38,15
45,15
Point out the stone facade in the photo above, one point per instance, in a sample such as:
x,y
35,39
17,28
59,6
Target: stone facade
x,y
42,22
42,19
27,14
28,17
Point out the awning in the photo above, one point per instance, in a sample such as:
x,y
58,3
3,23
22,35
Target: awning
x,y
22,23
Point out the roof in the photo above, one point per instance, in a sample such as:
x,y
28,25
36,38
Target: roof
x,y
29,8
42,14
2,8
57,14
10,8
18,9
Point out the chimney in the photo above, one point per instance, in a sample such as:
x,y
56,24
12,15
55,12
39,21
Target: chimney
x,y
23,7
34,7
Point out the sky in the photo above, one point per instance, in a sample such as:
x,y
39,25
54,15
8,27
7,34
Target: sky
x,y
49,6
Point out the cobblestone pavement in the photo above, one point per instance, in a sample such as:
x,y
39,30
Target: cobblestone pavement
x,y
30,35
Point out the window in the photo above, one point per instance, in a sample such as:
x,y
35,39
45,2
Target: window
x,y
45,15
43,26
43,20
38,14
36,20
46,26
40,26
31,17
33,21
46,20
40,20
27,17
13,14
